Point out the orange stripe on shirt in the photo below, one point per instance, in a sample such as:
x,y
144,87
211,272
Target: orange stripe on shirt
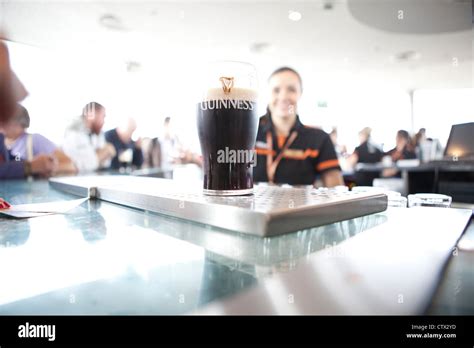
x,y
327,164
261,151
311,153
302,155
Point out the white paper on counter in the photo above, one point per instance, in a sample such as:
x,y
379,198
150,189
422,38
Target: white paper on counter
x,y
41,209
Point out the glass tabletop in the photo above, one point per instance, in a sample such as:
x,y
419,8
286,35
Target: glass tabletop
x,y
103,258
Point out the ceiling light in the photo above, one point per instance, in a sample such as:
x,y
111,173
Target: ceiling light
x,y
132,66
260,47
294,16
409,55
111,21
328,5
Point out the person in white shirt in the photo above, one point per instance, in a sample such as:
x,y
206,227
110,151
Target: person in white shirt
x,y
84,141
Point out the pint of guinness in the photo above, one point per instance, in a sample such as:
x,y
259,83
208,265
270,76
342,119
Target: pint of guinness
x,y
227,126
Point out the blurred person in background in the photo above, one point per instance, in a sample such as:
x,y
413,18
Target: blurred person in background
x,y
288,151
151,153
24,146
341,150
170,145
427,149
419,138
172,150
12,91
128,152
367,151
84,141
166,150
403,150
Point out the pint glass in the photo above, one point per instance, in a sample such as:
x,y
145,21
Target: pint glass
x,y
227,125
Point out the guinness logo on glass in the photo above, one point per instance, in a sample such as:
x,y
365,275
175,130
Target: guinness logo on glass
x,y
227,104
227,84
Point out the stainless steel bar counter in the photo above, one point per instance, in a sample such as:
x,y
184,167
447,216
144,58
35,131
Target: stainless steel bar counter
x,y
103,258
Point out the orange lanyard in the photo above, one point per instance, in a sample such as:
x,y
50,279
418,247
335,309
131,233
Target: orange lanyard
x,y
273,164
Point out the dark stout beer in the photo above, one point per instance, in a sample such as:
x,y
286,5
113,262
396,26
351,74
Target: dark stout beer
x,y
227,126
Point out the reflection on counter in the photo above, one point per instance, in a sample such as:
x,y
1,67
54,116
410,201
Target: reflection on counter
x,y
260,256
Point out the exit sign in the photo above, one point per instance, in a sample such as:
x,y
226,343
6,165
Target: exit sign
x,y
322,104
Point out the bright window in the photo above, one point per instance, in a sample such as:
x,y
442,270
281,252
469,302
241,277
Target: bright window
x,y
438,109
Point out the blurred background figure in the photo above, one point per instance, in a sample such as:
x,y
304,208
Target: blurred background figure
x,y
172,150
426,149
419,137
367,151
24,146
403,149
151,153
341,150
11,92
168,153
128,152
84,141
171,147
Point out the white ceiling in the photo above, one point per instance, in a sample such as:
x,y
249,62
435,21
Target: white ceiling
x,y
329,47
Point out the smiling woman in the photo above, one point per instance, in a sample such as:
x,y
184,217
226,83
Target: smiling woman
x,y
290,152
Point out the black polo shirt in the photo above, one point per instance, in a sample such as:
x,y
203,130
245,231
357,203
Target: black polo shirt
x,y
311,153
368,153
112,137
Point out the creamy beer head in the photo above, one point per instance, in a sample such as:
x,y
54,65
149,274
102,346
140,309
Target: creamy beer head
x,y
236,93
227,126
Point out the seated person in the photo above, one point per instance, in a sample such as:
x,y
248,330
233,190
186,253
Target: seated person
x,y
288,151
151,152
84,140
127,151
26,146
427,149
170,150
403,150
366,152
12,92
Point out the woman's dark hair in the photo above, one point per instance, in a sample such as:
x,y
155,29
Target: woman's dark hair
x,y
284,69
403,134
417,137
